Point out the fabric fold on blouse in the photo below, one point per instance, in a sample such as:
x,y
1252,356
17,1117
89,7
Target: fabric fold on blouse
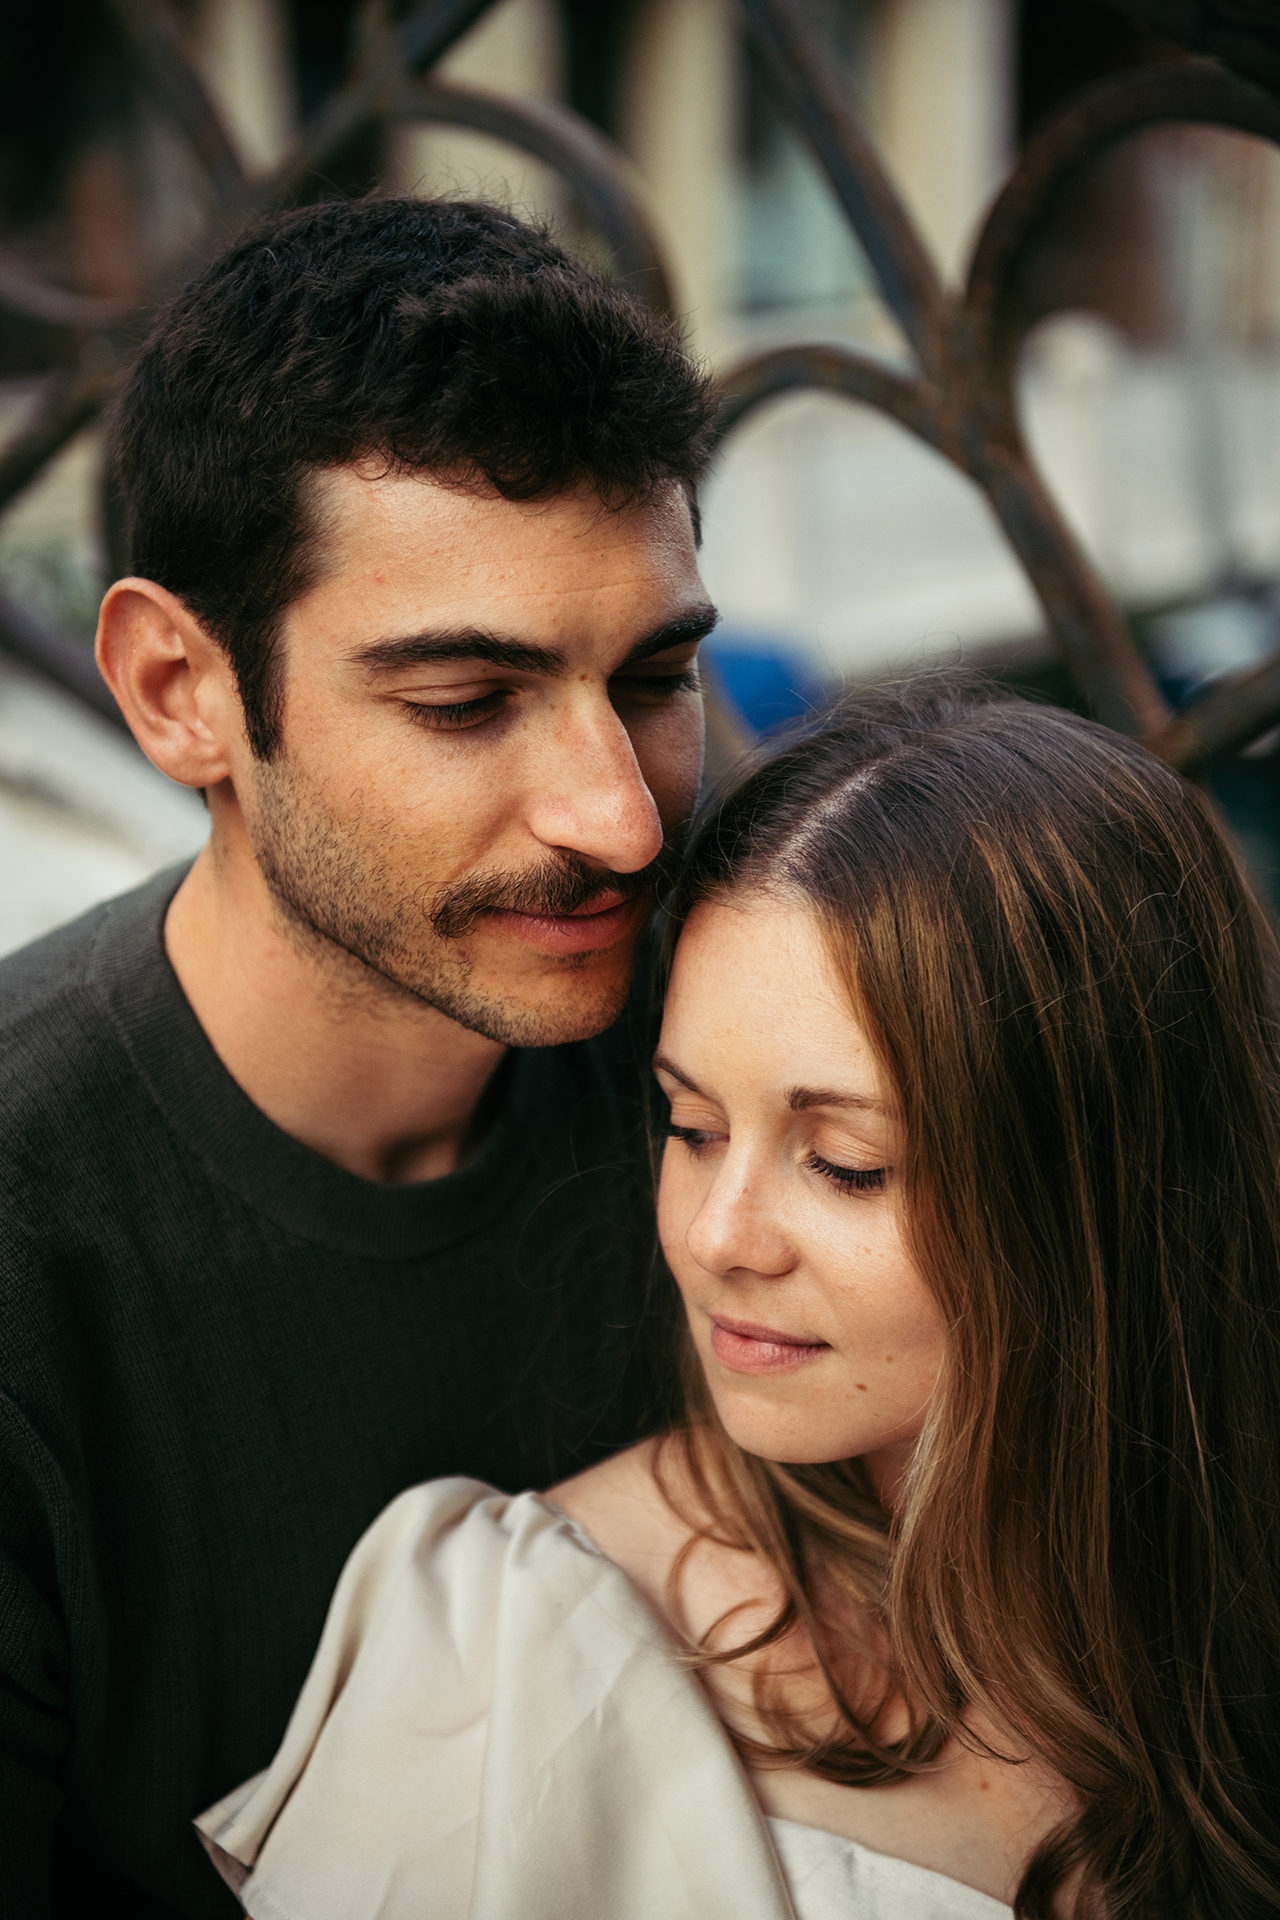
x,y
497,1727
494,1714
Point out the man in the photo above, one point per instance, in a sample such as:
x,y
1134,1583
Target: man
x,y
313,1179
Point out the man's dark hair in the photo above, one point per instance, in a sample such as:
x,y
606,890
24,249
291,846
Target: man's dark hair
x,y
434,335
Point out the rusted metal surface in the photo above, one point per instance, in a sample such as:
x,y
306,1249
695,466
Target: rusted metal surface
x,y
25,291
914,403
1230,714
802,72
961,400
958,397
64,661
1098,118
392,56
591,166
163,71
71,399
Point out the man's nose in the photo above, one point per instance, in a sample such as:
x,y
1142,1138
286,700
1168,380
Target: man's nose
x,y
589,796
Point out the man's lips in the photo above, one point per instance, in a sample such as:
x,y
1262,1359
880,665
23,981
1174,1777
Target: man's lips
x,y
603,921
745,1348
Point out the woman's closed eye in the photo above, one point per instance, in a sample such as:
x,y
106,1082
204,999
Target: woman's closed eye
x,y
848,1179
844,1179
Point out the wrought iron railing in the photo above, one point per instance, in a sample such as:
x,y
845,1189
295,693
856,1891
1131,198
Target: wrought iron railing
x,y
959,399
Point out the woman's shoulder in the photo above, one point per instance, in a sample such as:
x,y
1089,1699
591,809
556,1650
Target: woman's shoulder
x,y
620,1506
445,1540
644,1511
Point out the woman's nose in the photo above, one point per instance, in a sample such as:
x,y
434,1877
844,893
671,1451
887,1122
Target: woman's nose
x,y
737,1228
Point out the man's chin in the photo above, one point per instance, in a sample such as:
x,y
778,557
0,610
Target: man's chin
x,y
551,1012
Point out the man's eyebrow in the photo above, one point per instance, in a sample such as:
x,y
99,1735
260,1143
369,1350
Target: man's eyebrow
x,y
800,1099
463,643
695,625
518,656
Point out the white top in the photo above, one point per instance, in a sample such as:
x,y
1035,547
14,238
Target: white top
x,y
496,1727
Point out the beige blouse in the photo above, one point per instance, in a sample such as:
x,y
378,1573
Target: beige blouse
x,y
496,1727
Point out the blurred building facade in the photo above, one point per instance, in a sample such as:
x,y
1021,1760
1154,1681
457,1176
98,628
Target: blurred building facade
x,y
836,545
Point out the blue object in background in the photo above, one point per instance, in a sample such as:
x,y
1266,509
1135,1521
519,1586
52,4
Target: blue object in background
x,y
767,683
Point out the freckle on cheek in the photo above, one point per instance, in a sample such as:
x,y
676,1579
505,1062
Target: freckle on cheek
x,y
861,1385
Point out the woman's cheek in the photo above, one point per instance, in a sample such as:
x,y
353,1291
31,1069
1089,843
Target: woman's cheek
x,y
677,1203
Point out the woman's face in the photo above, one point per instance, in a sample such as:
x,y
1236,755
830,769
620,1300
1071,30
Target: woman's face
x,y
778,1205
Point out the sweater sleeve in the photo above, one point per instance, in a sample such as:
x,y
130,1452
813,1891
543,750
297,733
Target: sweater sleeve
x,y
36,1547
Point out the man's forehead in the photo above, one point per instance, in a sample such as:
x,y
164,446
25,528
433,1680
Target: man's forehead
x,y
363,511
402,557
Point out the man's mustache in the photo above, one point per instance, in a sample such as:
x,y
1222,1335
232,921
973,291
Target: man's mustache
x,y
552,890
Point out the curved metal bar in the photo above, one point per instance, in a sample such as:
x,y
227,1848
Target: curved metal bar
x,y
150,34
1230,714
591,165
73,400
69,665
25,291
801,70
417,42
1089,631
832,370
1115,109
430,30
985,344
1084,620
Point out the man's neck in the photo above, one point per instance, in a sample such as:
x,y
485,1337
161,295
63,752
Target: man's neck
x,y
371,1078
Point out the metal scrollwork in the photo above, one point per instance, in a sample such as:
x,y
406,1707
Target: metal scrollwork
x,y
958,397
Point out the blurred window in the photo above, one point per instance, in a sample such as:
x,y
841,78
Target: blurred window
x,y
795,245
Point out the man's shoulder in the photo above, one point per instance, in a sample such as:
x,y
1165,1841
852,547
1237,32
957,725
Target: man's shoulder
x,y
39,977
57,1033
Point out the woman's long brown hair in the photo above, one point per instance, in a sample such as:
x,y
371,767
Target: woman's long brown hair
x,y
1072,988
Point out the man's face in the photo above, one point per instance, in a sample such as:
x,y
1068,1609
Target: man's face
x,y
491,727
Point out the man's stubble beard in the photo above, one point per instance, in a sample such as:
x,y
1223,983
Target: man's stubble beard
x,y
346,908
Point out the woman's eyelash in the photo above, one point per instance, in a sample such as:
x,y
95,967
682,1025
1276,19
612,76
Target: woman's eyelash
x,y
848,1179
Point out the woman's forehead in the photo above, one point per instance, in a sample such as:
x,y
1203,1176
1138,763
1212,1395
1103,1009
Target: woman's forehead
x,y
754,991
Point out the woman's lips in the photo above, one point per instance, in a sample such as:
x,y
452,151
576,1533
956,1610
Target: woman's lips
x,y
750,1349
600,923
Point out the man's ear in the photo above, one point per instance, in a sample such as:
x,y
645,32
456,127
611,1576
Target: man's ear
x,y
173,683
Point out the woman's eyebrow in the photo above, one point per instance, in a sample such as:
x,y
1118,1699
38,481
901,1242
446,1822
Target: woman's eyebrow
x,y
662,1065
800,1099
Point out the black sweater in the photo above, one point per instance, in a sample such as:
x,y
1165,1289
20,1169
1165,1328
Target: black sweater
x,y
220,1355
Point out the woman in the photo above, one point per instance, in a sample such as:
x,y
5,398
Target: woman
x,y
958,1587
